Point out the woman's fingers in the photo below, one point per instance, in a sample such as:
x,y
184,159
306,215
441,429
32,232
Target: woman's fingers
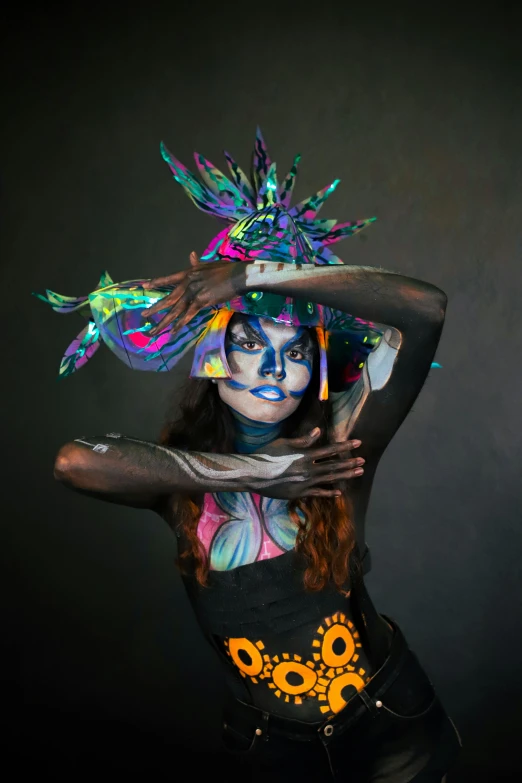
x,y
187,316
305,441
194,258
181,307
163,324
334,476
333,450
330,478
168,301
320,468
322,493
160,282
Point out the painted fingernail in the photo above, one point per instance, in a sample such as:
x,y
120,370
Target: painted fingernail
x,y
359,471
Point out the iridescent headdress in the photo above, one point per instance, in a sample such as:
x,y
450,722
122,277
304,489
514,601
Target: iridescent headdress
x,y
262,227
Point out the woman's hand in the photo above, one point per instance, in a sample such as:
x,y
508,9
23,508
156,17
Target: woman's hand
x,y
203,285
314,468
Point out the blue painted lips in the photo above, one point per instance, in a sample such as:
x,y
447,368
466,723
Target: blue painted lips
x,y
270,393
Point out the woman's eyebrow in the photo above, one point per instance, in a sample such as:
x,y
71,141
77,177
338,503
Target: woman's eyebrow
x,y
253,334
300,340
244,331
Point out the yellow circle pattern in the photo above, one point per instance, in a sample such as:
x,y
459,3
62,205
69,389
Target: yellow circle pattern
x,y
280,677
335,651
337,633
337,685
251,651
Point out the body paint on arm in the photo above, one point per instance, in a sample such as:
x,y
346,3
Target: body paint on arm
x,y
132,463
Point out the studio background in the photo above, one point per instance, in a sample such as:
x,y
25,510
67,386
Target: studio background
x,y
419,114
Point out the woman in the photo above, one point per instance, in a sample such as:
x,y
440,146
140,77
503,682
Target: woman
x,y
266,476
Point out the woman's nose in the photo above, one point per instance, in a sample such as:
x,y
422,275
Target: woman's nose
x,y
277,372
275,367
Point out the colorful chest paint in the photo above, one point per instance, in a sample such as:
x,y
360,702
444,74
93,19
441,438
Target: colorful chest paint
x,y
237,528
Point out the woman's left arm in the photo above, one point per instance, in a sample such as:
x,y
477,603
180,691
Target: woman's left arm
x,y
368,292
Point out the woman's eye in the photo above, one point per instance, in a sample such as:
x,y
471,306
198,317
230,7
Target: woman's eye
x,y
293,354
251,346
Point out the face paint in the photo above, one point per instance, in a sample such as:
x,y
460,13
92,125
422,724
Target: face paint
x,y
271,366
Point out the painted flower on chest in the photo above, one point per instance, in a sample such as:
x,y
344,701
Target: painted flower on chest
x,y
253,524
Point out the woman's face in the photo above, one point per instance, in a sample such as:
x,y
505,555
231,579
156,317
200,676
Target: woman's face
x,y
271,365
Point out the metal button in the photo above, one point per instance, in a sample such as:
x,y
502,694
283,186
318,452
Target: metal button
x,y
259,732
328,730
378,703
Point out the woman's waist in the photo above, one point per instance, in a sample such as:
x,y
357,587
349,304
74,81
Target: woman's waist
x,y
400,687
308,672
256,613
266,597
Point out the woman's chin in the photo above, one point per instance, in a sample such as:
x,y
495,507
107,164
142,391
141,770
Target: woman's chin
x,y
266,412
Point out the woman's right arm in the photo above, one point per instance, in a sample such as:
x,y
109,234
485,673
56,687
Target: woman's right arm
x,y
132,472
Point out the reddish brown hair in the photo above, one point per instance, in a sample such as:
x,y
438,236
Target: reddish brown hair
x,y
325,536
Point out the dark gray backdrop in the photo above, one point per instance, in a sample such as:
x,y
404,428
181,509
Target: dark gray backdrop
x,y
419,114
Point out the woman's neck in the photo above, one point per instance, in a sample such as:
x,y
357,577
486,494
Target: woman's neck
x,y
252,435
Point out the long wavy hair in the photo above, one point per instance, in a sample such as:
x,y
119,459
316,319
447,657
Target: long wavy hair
x,y
326,534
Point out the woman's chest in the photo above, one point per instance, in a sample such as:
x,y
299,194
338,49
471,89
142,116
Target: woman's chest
x,y
238,528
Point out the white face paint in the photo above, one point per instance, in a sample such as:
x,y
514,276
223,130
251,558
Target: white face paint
x,y
271,365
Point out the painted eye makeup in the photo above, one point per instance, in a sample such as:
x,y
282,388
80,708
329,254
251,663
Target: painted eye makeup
x,y
250,345
301,350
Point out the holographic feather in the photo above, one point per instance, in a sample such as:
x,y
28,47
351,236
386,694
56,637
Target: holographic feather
x,y
241,181
212,252
288,184
105,280
202,197
60,303
220,186
324,255
80,350
309,208
71,304
239,200
343,230
261,162
316,230
268,192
